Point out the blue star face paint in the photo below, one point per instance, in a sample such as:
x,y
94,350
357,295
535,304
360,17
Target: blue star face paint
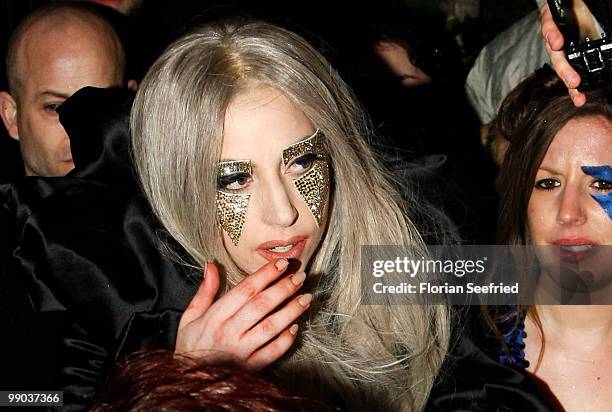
x,y
603,173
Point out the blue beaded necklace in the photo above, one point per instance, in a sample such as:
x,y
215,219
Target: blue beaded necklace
x,y
513,331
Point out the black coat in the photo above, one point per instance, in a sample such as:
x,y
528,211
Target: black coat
x,y
84,272
84,278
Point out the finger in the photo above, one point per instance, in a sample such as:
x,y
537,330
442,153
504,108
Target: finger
x,y
204,297
550,31
563,69
244,291
272,351
274,324
554,47
577,97
266,301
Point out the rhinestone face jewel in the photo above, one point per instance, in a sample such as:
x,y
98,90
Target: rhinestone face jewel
x,y
235,166
314,185
232,207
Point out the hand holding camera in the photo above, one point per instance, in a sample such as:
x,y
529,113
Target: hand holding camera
x,y
577,34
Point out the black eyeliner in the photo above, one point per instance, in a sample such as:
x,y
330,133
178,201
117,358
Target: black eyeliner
x,y
226,180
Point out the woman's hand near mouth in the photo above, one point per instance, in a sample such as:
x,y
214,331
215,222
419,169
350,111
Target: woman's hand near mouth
x,y
243,326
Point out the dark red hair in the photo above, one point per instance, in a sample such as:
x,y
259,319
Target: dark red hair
x,y
162,380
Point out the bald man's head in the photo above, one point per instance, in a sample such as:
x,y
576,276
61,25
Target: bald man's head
x,y
61,28
54,52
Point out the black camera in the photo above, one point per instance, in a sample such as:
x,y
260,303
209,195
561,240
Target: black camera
x,y
585,25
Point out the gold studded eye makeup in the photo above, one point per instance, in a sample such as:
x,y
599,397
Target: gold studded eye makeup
x,y
232,179
308,159
314,144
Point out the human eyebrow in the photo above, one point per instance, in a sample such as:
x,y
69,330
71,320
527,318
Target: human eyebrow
x,y
548,170
311,144
53,93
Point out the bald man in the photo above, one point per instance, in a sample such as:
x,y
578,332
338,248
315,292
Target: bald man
x,y
54,52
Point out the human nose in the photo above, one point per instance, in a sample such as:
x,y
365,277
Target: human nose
x,y
571,207
277,204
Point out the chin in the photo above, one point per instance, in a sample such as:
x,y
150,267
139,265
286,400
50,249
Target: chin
x,y
64,168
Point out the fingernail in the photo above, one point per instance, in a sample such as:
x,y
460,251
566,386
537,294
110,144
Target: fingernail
x,y
305,300
293,329
298,278
281,264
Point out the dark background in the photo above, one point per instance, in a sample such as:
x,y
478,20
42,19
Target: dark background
x,y
334,25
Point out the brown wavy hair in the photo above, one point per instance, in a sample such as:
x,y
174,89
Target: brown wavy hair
x,y
530,118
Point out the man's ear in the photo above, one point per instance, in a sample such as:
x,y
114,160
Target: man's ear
x,y
8,112
132,85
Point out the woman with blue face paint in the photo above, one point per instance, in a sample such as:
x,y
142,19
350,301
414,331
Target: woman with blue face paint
x,y
556,182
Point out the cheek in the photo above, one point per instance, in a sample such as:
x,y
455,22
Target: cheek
x,y
242,252
318,231
600,219
60,137
326,215
232,209
313,189
40,119
608,232
46,131
605,201
326,212
39,136
238,253
538,216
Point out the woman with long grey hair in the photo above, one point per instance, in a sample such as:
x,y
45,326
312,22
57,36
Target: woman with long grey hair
x,y
252,152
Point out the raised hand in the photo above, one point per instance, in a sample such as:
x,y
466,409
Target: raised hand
x,y
554,46
240,327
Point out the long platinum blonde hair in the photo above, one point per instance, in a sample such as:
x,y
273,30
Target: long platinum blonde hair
x,y
382,357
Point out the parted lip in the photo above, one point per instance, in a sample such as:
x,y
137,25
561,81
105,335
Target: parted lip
x,y
572,255
276,243
573,241
298,242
